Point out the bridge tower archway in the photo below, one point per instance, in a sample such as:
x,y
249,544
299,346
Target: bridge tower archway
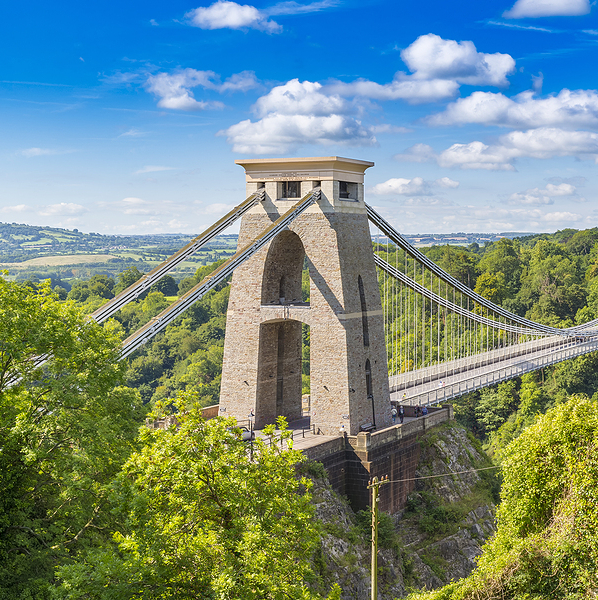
x,y
278,391
262,370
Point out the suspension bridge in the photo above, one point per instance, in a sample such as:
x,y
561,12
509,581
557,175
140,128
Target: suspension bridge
x,y
385,322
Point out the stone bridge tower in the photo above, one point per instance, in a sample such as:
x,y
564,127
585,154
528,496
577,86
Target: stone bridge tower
x,y
262,350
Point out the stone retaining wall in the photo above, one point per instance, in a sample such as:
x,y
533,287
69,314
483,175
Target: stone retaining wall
x,y
352,461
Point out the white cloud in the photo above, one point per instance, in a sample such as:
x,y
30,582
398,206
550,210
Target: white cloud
x,y
30,152
517,26
63,208
295,114
294,8
477,155
537,196
411,187
427,201
537,81
17,208
417,153
562,189
431,57
230,15
174,89
157,224
132,133
438,68
153,169
402,87
240,82
218,208
577,108
577,181
446,182
533,199
497,218
225,14
136,206
545,142
401,186
276,133
132,200
561,217
386,128
523,217
300,98
547,8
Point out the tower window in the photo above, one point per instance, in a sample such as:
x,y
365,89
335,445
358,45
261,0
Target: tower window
x,y
347,190
364,312
368,378
290,189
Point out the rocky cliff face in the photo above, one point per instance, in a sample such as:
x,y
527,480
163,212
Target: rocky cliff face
x,y
436,538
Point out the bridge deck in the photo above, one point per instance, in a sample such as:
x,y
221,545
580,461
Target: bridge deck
x,y
428,389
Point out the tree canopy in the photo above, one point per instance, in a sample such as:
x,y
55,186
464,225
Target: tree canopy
x,y
202,514
66,426
546,544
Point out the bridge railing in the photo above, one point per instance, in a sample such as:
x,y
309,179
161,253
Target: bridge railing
x,y
442,370
491,375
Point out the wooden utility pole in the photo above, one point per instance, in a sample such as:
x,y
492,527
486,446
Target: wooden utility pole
x,y
374,485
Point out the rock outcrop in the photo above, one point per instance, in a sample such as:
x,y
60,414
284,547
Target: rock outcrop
x,y
436,538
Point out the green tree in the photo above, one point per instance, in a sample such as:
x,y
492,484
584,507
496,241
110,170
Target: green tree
x,y
503,257
167,285
65,430
552,289
99,286
128,277
495,405
532,402
546,544
457,261
492,286
582,241
204,515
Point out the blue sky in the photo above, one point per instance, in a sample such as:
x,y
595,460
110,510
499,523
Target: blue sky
x,y
127,117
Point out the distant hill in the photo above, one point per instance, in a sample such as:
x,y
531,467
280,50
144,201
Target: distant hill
x,y
30,251
460,239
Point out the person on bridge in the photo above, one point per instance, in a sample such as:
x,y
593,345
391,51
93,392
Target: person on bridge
x,y
401,413
424,411
393,412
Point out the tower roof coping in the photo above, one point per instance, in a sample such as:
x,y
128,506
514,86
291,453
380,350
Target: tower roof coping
x,y
319,167
304,159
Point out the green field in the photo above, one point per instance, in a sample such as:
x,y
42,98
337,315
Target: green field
x,y
59,261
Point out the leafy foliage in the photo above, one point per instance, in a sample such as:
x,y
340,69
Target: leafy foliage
x,y
546,545
65,430
204,515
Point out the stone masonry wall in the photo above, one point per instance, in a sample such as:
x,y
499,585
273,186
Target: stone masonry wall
x,y
338,250
352,461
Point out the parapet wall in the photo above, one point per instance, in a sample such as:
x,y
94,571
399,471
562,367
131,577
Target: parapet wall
x,y
351,461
